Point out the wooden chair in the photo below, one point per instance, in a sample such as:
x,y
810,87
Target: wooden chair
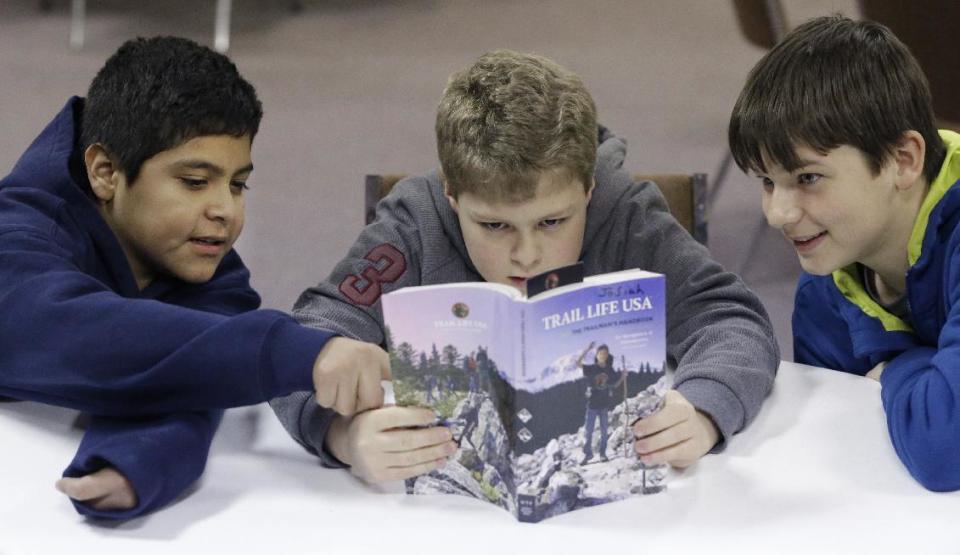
x,y
685,194
927,29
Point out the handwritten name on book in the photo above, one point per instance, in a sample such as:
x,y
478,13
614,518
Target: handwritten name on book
x,y
597,310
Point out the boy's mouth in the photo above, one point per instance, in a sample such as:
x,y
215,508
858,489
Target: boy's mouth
x,y
208,245
807,243
518,282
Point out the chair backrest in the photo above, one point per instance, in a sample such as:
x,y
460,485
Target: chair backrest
x,y
761,21
927,29
685,194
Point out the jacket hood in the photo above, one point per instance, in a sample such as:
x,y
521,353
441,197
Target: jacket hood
x,y
52,163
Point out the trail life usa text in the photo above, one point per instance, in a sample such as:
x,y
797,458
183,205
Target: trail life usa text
x,y
607,308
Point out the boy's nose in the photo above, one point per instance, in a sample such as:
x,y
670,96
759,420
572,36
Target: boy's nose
x,y
781,208
526,252
222,204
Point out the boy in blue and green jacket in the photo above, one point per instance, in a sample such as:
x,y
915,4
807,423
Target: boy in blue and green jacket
x,y
837,123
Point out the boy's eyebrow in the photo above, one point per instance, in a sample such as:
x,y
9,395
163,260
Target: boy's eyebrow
x,y
802,163
208,166
556,213
479,215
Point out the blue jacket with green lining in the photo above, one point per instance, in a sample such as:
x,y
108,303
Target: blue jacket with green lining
x,y
836,325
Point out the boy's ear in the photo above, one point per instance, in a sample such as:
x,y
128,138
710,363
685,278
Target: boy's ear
x,y
908,155
450,198
593,185
102,172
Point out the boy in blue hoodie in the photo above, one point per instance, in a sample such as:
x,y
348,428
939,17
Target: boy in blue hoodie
x,y
120,294
837,123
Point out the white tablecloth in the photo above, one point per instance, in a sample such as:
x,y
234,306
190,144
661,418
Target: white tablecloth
x,y
815,471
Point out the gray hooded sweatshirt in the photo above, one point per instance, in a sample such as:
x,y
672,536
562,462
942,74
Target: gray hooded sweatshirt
x,y
719,337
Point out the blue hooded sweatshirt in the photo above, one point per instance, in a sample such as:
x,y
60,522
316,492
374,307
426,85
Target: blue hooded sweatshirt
x,y
837,325
153,368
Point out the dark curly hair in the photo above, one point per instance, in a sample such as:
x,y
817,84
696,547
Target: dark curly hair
x,y
154,94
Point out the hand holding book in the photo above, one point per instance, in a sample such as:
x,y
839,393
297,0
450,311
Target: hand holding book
x,y
390,443
677,434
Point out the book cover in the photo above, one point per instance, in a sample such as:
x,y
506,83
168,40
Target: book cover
x,y
540,392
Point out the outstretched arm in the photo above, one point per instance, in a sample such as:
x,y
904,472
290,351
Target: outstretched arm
x,y
583,354
103,353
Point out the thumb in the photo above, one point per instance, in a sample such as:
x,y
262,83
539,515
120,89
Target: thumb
x,y
82,489
384,361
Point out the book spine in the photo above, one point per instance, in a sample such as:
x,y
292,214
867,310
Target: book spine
x,y
523,341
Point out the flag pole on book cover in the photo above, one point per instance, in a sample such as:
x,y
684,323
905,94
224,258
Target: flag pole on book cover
x,y
626,420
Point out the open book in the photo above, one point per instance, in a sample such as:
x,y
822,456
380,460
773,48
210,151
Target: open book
x,y
540,392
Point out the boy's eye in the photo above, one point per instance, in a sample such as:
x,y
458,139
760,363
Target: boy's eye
x,y
808,178
493,226
193,182
239,186
767,183
551,223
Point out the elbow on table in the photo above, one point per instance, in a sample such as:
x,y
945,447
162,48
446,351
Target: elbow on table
x,y
934,461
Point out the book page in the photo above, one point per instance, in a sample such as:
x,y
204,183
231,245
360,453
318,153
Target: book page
x,y
451,349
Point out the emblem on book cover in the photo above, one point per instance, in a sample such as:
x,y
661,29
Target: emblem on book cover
x,y
524,415
524,435
460,310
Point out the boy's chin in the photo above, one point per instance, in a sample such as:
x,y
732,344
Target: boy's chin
x,y
817,269
195,275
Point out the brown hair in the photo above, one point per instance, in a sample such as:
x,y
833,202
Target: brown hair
x,y
508,118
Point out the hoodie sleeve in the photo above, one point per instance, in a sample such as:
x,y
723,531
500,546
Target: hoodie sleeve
x,y
921,398
718,333
66,339
163,456
160,456
385,257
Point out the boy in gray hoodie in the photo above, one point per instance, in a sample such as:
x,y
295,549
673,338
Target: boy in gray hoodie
x,y
529,182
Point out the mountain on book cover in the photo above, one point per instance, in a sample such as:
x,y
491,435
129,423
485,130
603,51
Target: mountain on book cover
x,y
540,393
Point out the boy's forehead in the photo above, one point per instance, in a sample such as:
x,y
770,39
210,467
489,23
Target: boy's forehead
x,y
227,152
807,155
802,155
551,195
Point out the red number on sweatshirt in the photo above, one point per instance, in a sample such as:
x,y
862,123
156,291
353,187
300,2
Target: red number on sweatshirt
x,y
388,265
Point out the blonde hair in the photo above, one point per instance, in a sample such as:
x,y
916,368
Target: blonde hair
x,y
508,118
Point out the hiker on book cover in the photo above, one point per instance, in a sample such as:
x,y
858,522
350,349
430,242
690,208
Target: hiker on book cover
x,y
602,381
431,385
470,367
